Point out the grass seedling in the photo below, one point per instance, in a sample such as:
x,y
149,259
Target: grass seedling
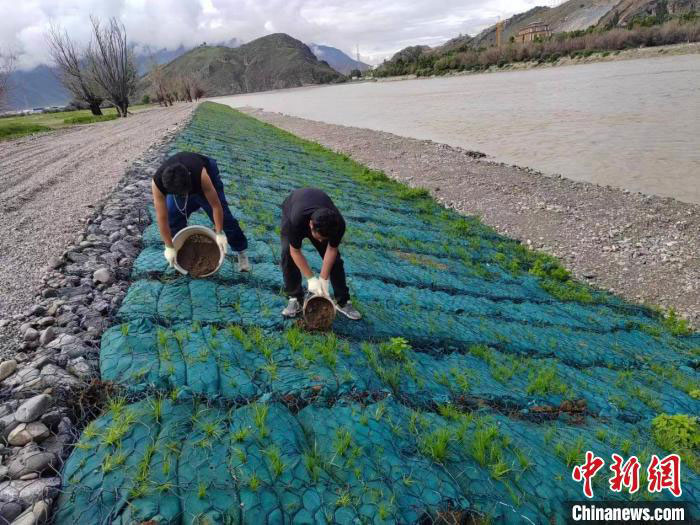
x,y
312,462
259,416
342,441
124,329
201,490
275,459
240,435
343,500
570,453
434,445
396,349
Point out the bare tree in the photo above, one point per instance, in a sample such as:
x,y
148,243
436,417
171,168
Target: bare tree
x,y
112,63
7,67
159,84
197,88
73,72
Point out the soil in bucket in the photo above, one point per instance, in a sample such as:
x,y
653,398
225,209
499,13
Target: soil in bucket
x,y
319,313
199,255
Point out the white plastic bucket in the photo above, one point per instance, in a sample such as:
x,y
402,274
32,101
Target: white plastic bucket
x,y
185,234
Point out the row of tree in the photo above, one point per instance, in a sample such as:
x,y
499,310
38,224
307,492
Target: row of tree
x,y
168,89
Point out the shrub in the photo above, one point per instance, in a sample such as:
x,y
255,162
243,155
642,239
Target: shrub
x,y
89,119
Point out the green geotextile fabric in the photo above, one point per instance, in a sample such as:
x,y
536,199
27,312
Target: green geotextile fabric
x,y
477,378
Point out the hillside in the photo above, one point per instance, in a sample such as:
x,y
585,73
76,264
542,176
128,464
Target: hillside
x,y
275,61
338,60
580,28
38,87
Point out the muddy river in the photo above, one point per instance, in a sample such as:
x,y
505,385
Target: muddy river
x,y
633,124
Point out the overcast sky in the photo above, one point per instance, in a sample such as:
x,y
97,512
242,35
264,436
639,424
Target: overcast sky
x,y
379,27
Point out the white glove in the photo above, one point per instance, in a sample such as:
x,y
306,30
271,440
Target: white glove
x,y
222,242
170,255
324,284
314,286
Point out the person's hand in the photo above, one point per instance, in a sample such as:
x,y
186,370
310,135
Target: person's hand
x,y
170,255
314,286
324,285
222,242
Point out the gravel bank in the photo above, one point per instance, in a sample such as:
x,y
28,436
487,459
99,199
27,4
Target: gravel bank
x,y
49,382
645,248
49,186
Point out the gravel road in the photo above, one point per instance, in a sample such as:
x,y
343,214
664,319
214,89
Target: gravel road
x,y
645,248
50,182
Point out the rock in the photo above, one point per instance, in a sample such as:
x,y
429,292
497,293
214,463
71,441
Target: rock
x,y
55,262
33,461
62,341
26,432
4,323
37,310
31,475
125,248
49,292
9,510
47,335
52,418
34,515
22,376
29,492
53,376
102,275
80,368
24,327
33,408
7,368
8,424
46,321
31,334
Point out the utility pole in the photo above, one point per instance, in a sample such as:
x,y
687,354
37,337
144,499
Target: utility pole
x,y
357,51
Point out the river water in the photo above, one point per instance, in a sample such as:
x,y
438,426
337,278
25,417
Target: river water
x,y
633,124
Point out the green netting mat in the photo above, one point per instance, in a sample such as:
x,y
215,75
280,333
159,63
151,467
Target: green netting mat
x,y
479,375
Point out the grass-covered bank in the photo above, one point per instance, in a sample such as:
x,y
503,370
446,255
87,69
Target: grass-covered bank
x,y
18,126
479,376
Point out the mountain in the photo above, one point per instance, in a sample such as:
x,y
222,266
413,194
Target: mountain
x,y
272,62
38,87
338,60
146,56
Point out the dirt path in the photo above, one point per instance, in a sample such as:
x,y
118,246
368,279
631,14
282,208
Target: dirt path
x,y
645,248
48,184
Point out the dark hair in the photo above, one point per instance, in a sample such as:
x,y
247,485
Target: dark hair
x,y
176,179
327,222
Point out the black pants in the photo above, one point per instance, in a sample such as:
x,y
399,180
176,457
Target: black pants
x,y
292,275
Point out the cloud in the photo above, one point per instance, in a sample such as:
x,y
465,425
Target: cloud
x,y
379,28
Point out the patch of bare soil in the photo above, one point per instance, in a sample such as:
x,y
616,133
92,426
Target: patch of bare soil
x,y
199,255
643,247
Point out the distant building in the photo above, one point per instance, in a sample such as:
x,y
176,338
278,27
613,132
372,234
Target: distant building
x,y
533,31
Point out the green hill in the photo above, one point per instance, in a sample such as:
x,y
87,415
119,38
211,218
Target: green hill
x,y
275,61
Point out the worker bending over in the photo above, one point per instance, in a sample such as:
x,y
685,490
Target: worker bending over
x,y
185,183
309,213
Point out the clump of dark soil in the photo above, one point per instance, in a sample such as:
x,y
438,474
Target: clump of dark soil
x,y
199,255
319,313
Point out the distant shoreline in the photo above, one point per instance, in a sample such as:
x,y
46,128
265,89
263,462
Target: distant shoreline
x,y
690,48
